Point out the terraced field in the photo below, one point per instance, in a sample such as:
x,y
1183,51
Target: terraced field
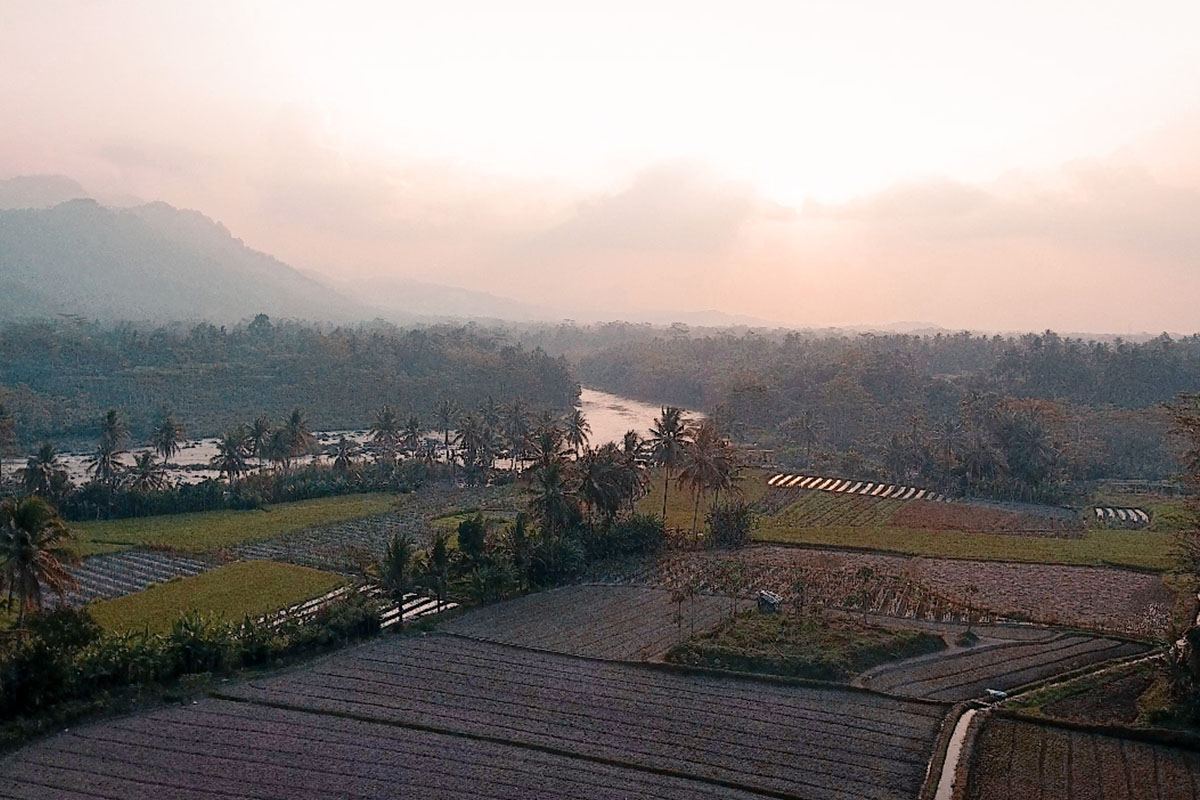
x,y
334,545
129,571
615,622
1019,759
744,734
966,674
234,750
821,509
1134,603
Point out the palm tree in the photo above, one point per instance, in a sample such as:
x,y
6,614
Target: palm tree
x,y
34,552
437,567
491,413
412,433
145,475
470,438
344,452
702,467
516,431
43,473
601,482
396,569
577,428
554,500
165,438
299,437
668,436
7,437
230,459
636,482
112,430
279,449
446,415
259,438
385,432
547,445
105,464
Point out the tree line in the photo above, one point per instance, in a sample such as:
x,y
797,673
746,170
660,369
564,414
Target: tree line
x,y
1029,417
59,375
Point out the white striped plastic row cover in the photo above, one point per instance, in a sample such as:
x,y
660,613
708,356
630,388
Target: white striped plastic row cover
x,y
1122,515
785,481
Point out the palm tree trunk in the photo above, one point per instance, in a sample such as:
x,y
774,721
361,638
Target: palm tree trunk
x,y
21,604
695,518
666,486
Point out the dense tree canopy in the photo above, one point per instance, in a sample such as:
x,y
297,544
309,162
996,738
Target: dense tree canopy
x,y
999,415
58,377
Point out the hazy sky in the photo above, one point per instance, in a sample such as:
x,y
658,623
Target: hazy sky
x,y
994,165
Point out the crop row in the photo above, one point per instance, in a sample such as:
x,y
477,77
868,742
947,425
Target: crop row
x,y
971,518
833,583
617,622
820,509
963,675
1017,759
341,544
218,748
818,743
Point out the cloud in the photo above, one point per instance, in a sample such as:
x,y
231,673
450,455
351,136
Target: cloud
x,y
1101,244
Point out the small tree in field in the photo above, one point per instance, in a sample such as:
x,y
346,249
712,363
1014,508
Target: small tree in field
x,y
730,524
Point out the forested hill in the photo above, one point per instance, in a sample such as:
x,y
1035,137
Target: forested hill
x,y
57,378
152,262
874,404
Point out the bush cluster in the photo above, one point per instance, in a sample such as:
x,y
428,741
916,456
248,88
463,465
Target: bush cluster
x,y
64,656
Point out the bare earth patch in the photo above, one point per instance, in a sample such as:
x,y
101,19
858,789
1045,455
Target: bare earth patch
x,y
1097,598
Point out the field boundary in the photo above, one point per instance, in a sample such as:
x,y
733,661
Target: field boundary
x,y
711,672
1083,672
1170,737
758,541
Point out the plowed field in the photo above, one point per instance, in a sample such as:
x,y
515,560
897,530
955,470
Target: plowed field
x,y
967,673
1015,759
220,749
618,622
753,735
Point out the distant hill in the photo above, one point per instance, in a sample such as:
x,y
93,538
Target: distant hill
x,y
151,262
38,191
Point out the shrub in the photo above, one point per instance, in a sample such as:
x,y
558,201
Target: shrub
x,y
639,534
729,524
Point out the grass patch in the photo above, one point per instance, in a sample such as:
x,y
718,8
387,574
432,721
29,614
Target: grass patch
x,y
801,646
1149,550
210,530
1127,695
680,502
1167,514
230,592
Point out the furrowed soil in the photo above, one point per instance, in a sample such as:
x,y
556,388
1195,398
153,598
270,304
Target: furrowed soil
x,y
1018,759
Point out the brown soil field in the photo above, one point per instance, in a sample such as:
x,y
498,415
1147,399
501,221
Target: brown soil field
x,y
750,735
1016,759
1112,703
616,622
1096,598
967,673
235,750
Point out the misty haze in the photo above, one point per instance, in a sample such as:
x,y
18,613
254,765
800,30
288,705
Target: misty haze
x,y
648,400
